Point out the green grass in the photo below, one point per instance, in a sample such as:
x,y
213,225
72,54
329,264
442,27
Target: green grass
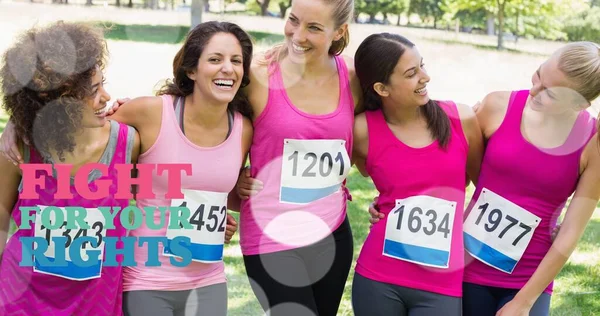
x,y
577,288
168,34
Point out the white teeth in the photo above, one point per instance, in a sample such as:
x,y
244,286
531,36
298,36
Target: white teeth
x,y
222,82
102,110
419,91
299,48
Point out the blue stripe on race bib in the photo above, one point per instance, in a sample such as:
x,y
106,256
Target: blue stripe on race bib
x,y
297,195
200,252
416,253
71,271
488,254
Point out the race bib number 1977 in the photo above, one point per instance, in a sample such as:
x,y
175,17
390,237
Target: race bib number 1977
x,y
497,231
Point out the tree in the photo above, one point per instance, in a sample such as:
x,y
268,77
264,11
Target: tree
x,y
284,5
373,7
427,9
264,6
400,7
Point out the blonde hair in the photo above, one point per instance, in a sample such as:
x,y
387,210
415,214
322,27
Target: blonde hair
x,y
580,62
343,10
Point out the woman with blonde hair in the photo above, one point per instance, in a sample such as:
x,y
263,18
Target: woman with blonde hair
x,y
542,146
294,232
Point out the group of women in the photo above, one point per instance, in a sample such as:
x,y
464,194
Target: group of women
x,y
304,114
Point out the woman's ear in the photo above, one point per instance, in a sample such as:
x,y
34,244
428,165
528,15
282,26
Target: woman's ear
x,y
340,32
192,75
381,89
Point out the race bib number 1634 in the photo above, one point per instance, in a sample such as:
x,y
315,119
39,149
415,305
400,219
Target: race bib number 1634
x,y
419,230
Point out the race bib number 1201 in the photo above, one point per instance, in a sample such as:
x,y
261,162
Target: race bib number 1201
x,y
312,169
419,230
497,231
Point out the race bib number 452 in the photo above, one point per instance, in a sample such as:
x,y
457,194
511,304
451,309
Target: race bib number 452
x,y
312,169
208,216
497,231
72,271
419,230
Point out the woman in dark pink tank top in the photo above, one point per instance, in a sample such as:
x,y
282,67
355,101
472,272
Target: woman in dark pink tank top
x,y
418,152
62,114
541,148
294,232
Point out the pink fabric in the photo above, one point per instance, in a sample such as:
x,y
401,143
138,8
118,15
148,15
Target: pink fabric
x,y
214,169
260,229
398,172
540,181
23,292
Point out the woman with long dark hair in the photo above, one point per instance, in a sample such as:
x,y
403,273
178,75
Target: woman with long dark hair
x,y
419,152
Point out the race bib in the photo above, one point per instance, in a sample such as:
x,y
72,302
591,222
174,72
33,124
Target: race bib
x,y
208,217
312,169
497,231
72,271
419,230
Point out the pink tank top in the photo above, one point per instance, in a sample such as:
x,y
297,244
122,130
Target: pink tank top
x,y
302,160
53,291
525,188
419,243
214,174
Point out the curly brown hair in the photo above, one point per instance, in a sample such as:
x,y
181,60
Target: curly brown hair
x,y
187,58
46,79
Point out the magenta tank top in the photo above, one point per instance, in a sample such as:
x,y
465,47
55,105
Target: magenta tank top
x,y
422,194
303,161
53,291
521,191
214,174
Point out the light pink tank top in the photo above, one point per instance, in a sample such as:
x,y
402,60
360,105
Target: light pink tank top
x,y
302,160
419,243
538,181
214,169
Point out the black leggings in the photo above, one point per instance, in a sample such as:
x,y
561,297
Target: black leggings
x,y
479,300
304,281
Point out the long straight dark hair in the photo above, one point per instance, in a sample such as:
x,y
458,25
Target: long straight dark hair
x,y
187,57
375,61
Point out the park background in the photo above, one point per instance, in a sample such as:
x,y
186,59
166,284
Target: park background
x,y
470,47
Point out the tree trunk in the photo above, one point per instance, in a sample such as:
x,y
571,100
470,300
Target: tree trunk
x,y
264,6
501,24
435,22
517,23
399,17
88,2
130,4
118,4
196,12
283,8
371,17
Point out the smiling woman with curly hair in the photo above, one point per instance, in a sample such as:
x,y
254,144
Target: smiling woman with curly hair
x,y
52,86
46,77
